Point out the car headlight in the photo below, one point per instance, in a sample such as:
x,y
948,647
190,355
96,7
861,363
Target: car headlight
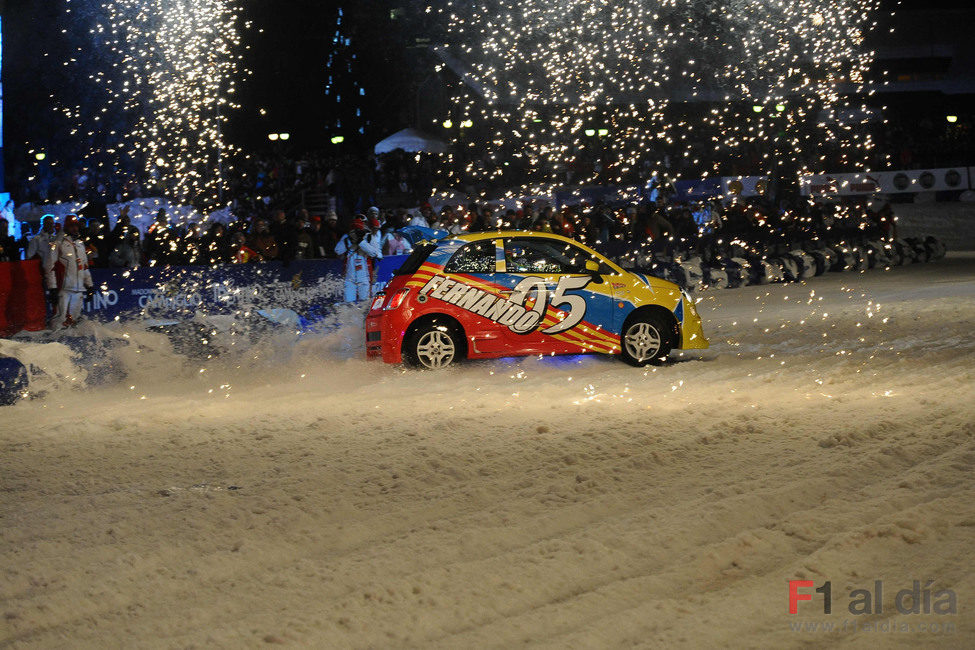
x,y
691,303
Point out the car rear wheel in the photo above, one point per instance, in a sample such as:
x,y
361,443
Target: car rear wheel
x,y
435,345
645,340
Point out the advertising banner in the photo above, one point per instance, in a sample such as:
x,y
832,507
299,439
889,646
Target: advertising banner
x,y
723,187
744,185
706,188
889,182
306,287
21,297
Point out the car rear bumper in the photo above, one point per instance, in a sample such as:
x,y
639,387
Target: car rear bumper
x,y
384,339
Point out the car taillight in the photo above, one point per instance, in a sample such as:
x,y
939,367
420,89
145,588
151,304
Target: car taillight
x,y
396,299
377,302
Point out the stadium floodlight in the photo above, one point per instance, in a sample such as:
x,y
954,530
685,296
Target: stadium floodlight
x,y
40,156
338,139
284,136
951,118
603,132
448,124
466,124
779,107
272,136
758,108
590,132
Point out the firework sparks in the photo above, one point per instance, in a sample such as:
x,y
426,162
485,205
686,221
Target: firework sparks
x,y
557,80
168,83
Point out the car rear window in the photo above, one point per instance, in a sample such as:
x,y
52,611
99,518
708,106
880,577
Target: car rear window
x,y
476,257
421,251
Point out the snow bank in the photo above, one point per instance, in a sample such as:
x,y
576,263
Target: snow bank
x,y
300,495
50,366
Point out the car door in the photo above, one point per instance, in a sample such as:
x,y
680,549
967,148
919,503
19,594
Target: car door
x,y
475,265
574,304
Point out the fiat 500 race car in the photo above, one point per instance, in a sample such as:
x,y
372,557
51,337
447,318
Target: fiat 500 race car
x,y
498,294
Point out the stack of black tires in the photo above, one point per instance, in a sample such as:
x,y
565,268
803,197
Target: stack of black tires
x,y
735,266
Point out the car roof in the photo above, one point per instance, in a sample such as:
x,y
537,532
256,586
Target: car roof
x,y
530,234
496,234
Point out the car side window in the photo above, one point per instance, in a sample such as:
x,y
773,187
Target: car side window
x,y
475,257
536,255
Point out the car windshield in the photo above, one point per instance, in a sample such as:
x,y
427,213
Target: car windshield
x,y
421,251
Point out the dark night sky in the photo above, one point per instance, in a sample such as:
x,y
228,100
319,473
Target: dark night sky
x,y
287,60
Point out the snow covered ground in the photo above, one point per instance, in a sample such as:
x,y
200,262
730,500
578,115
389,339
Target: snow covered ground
x,y
310,498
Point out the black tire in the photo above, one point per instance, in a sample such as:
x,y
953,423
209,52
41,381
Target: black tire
x,y
646,338
896,257
821,261
434,345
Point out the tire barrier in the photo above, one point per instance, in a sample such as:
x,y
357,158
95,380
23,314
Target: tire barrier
x,y
692,272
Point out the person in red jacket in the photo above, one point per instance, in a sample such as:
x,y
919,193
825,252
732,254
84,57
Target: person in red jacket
x,y
243,253
67,276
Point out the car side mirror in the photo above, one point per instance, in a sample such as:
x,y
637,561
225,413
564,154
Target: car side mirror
x,y
592,268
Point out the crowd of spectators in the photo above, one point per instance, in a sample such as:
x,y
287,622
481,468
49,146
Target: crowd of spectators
x,y
288,206
663,226
278,237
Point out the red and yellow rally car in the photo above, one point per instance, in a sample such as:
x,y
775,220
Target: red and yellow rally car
x,y
498,294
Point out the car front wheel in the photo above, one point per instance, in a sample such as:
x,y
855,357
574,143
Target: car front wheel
x,y
645,340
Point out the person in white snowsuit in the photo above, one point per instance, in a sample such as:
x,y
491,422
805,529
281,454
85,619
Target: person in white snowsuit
x,y
374,236
42,244
66,275
419,219
359,254
374,233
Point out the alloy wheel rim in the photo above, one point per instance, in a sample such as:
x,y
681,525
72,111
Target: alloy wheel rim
x,y
435,349
642,341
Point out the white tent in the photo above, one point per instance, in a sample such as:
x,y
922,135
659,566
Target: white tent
x,y
413,141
